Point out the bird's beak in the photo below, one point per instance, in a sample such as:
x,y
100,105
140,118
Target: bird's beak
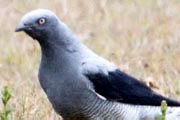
x,y
22,27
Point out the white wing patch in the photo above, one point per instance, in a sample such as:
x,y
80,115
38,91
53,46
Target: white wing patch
x,y
100,65
100,96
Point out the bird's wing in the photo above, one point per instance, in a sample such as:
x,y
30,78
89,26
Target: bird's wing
x,y
114,85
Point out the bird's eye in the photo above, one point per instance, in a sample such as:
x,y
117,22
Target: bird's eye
x,y
41,21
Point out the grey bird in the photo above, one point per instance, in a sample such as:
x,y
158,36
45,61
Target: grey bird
x,y
81,85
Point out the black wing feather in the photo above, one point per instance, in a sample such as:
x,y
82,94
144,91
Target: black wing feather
x,y
120,87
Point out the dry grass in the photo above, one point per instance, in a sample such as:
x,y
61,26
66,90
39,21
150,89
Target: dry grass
x,y
142,37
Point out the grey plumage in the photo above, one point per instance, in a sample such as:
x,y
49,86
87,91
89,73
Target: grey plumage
x,y
82,85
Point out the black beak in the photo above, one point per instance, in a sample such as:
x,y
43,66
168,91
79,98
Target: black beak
x,y
22,27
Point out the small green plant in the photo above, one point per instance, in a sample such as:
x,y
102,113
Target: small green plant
x,y
163,110
6,95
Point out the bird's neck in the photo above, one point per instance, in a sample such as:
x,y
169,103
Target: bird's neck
x,y
60,41
62,50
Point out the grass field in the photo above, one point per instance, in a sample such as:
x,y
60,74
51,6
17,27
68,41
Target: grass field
x,y
142,37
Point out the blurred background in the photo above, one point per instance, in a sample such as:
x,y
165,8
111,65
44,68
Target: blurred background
x,y
141,36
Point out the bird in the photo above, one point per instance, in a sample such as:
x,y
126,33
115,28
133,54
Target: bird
x,y
80,84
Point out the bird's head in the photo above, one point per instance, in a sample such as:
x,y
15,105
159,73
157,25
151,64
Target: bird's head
x,y
38,24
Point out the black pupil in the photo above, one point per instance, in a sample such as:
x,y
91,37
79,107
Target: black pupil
x,y
41,21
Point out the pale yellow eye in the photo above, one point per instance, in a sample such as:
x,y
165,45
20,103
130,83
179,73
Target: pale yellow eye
x,y
42,21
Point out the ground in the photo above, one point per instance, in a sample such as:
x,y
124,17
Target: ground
x,y
142,37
